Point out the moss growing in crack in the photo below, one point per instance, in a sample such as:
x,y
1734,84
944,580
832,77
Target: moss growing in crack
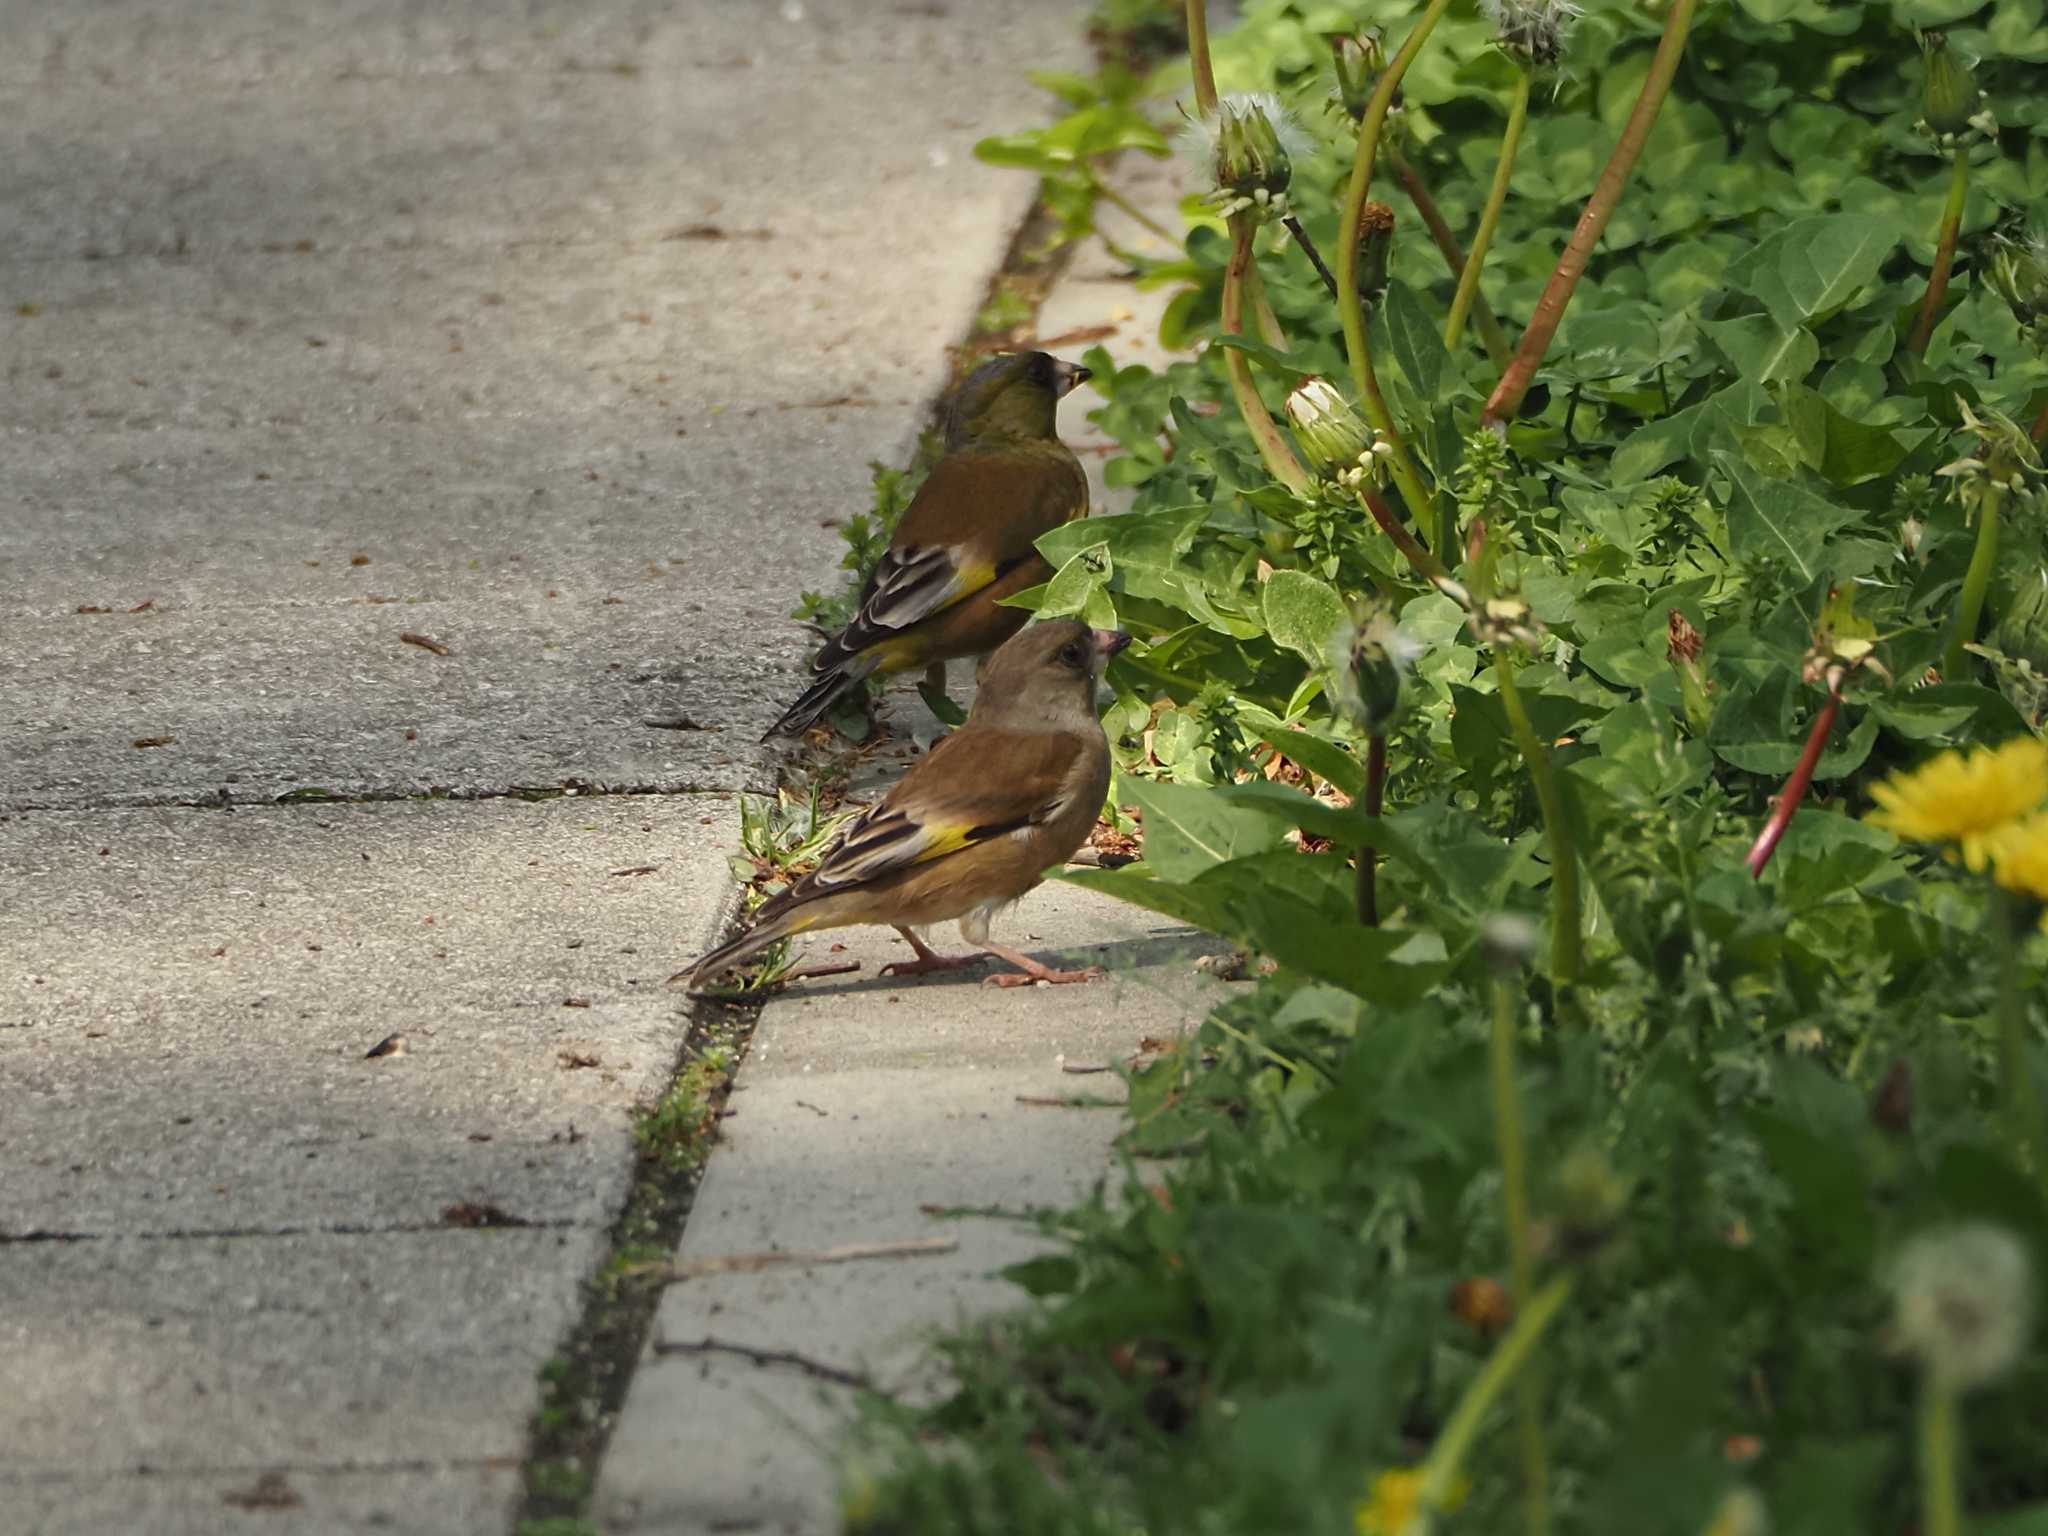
x,y
676,1129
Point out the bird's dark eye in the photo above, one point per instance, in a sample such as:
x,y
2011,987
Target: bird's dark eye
x,y
1070,653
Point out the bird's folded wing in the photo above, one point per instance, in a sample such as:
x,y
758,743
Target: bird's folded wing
x,y
975,786
976,515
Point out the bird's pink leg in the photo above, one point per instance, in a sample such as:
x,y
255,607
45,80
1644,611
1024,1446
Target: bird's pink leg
x,y
927,961
1030,970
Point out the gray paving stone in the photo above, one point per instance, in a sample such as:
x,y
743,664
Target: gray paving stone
x,y
861,1105
186,998
411,270
236,1354
447,1501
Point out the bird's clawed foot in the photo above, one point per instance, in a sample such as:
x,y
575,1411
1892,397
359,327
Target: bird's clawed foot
x,y
928,959
1030,970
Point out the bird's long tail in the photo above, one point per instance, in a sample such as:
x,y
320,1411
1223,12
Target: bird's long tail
x,y
832,686
778,925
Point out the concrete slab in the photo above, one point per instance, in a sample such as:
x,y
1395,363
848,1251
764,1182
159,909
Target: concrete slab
x,y
233,1355
301,1501
186,998
861,1106
505,304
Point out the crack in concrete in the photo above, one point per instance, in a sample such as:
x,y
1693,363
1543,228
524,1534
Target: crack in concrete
x,y
320,1229
226,800
58,1476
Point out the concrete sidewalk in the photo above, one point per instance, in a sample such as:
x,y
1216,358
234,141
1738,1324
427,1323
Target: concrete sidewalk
x,y
864,1105
551,334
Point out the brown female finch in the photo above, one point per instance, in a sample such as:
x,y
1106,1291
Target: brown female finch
x,y
966,540
976,824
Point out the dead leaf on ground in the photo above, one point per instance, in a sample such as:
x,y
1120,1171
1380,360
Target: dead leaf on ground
x,y
424,642
390,1045
154,741
473,1213
270,1491
573,1061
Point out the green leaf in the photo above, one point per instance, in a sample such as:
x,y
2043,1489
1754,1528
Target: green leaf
x,y
1763,350
1417,343
1779,523
1075,582
1327,760
1302,613
1189,829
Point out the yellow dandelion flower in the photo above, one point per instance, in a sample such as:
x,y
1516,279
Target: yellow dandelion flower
x,y
1396,1495
2019,856
1965,800
1394,1507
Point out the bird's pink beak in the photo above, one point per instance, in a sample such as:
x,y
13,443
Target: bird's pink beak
x,y
1107,642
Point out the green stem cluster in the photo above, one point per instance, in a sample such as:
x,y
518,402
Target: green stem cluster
x,y
1564,859
1514,383
1976,583
1507,1126
1406,475
1489,217
2018,1102
1446,239
1941,1504
1447,1456
1368,855
1277,456
1944,254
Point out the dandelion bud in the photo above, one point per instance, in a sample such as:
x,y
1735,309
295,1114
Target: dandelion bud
x,y
1372,662
1507,939
1534,31
1330,432
1963,1299
1682,647
2019,271
1375,248
1948,94
1358,59
1248,147
1590,1198
1250,158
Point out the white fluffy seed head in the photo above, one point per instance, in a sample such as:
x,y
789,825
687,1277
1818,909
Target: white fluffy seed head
x,y
1963,1303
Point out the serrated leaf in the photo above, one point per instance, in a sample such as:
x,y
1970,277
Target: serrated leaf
x,y
1777,522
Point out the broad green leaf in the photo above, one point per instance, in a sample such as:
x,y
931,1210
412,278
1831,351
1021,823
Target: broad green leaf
x,y
1417,343
1302,614
1327,760
1763,350
1189,828
1076,581
1777,522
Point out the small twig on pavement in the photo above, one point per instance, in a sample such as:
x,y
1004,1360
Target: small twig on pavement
x,y
1068,1101
789,1357
775,1258
1076,1069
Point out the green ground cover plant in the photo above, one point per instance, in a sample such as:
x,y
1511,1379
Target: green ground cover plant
x,y
1592,649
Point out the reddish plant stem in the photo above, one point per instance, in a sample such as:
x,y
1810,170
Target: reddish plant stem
x,y
1571,266
1795,789
1944,255
1368,855
1427,566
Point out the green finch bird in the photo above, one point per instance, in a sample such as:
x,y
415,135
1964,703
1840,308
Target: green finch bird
x,y
965,541
976,823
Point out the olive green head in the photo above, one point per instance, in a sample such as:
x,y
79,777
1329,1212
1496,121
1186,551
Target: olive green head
x,y
1012,397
